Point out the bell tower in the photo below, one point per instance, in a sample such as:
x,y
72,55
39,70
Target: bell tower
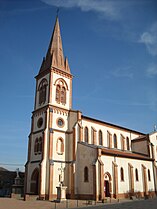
x,y
48,139
56,88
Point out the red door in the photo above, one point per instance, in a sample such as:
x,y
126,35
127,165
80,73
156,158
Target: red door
x,y
106,189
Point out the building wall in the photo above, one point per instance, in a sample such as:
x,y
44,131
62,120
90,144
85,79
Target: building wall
x,y
105,129
86,156
140,146
124,186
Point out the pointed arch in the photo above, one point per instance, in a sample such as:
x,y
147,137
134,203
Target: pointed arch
x,y
61,90
61,81
38,146
86,177
58,89
108,175
42,88
115,140
86,135
35,182
107,184
100,138
63,95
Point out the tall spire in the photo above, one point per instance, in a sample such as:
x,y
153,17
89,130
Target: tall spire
x,y
55,56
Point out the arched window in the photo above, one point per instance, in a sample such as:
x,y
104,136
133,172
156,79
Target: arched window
x,y
127,143
149,178
115,141
61,88
100,138
38,146
42,91
136,174
122,174
86,134
58,93
60,146
63,95
86,174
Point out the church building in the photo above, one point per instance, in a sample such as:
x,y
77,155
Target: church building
x,y
92,158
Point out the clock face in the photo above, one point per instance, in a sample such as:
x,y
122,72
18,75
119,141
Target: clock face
x,y
40,122
60,122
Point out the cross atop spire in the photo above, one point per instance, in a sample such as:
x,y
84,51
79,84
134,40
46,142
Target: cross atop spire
x,y
55,56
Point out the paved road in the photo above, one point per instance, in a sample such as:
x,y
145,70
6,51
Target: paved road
x,y
8,203
136,204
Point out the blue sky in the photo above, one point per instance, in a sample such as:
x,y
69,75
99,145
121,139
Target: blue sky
x,y
112,52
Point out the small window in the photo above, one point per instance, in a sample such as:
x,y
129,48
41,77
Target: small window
x,y
149,178
63,95
86,174
38,146
86,134
42,91
60,122
122,174
61,89
100,138
58,93
35,146
60,146
136,174
40,122
115,140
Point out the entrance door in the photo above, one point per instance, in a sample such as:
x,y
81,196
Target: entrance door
x,y
106,189
35,182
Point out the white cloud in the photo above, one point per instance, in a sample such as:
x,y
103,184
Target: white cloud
x,y
110,9
123,72
152,70
149,38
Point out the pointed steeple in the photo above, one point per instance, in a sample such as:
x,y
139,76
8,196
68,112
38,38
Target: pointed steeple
x,y
55,56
